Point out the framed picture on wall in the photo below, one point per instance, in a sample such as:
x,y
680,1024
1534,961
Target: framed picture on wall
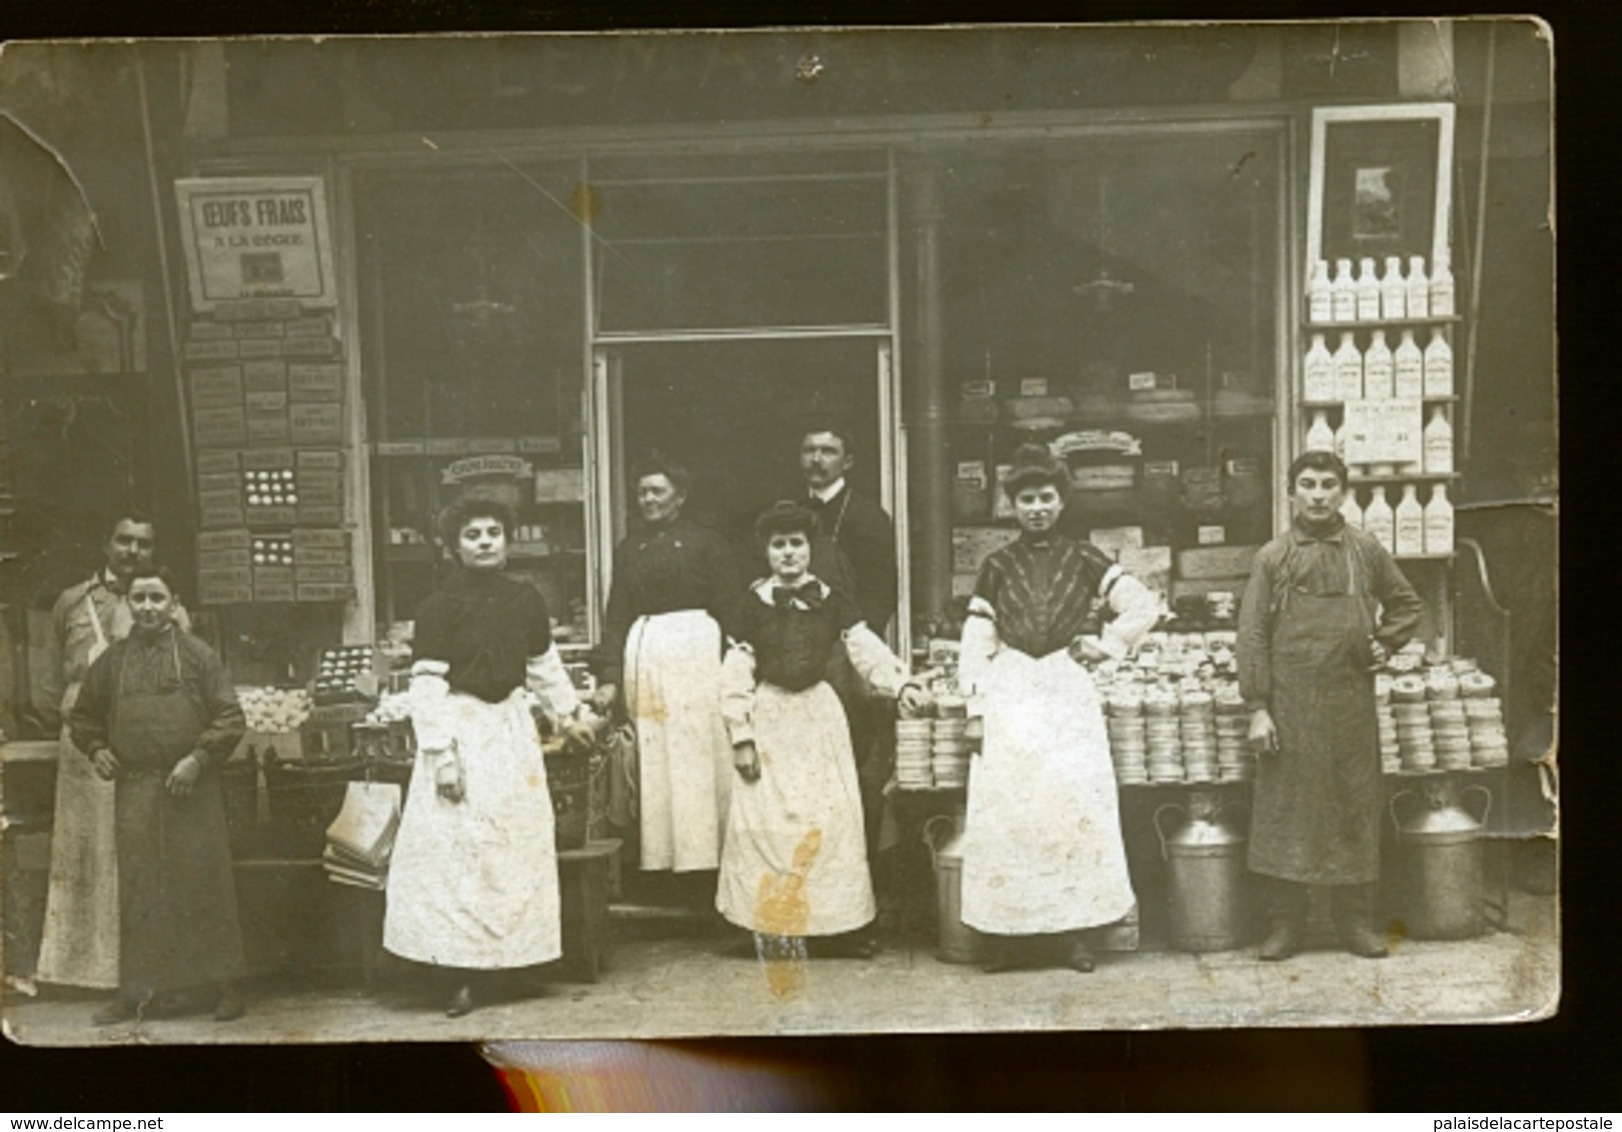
x,y
1379,183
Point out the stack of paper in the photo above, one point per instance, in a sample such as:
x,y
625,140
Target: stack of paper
x,y
361,837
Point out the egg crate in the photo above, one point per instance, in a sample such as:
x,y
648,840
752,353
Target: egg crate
x,y
337,671
271,550
270,487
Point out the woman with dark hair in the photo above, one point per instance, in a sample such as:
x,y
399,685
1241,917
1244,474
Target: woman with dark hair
x,y
1042,852
669,605
473,883
157,716
794,863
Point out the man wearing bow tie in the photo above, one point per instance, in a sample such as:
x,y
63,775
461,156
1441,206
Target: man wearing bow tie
x,y
854,550
1325,606
79,946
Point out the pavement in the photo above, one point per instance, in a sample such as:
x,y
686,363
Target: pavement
x,y
685,979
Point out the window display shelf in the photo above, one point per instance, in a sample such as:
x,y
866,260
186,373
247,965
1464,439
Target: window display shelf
x,y
1384,323
1149,415
1407,477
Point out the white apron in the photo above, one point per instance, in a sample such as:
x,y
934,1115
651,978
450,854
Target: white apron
x,y
673,696
1042,845
475,883
79,944
795,859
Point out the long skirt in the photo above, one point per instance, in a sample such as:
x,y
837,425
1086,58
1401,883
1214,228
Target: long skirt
x,y
673,695
177,893
795,858
80,942
1042,845
474,883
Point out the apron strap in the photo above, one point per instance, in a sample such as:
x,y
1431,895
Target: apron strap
x,y
95,623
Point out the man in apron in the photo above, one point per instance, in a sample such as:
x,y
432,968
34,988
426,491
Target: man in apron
x,y
1325,606
79,945
853,550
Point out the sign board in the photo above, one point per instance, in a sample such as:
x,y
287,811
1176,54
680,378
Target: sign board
x,y
1385,432
254,238
488,465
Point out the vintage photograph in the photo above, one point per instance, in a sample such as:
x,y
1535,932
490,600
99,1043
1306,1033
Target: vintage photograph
x,y
798,531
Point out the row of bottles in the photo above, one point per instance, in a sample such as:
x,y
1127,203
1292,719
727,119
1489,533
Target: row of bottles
x,y
1368,297
1378,373
1408,528
1437,446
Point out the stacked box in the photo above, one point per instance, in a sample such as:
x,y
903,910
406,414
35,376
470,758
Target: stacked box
x,y
321,565
315,381
224,570
316,423
266,376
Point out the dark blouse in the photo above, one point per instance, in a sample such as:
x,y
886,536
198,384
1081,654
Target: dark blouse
x,y
140,665
661,570
1042,590
792,644
485,626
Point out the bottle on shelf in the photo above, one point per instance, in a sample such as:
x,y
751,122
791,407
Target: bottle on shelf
x,y
1318,372
1368,291
1379,521
1419,288
1438,365
1379,373
1439,522
1408,368
1343,292
1348,369
1320,437
1438,443
1441,289
1393,290
1320,300
1409,521
1350,511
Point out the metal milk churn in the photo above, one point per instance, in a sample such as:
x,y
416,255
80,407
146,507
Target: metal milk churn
x,y
1205,865
1441,861
955,941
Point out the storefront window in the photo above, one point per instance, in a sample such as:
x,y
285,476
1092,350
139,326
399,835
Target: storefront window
x,y
474,369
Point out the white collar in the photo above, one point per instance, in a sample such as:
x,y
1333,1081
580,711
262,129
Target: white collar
x,y
829,493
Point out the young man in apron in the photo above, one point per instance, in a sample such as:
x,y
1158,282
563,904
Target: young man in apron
x,y
79,945
1325,606
853,550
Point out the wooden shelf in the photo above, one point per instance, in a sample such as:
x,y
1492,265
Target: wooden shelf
x,y
1385,323
1448,400
1412,477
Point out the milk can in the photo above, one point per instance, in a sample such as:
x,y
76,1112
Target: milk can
x,y
955,941
1441,861
1205,866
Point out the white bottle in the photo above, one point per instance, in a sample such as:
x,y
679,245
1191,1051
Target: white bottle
x,y
1419,288
1438,365
1320,437
1320,300
1348,369
1350,511
1379,373
1318,381
1442,288
1379,521
1393,290
1439,522
1343,292
1368,291
1409,368
1438,444
1409,520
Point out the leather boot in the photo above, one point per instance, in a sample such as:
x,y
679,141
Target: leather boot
x,y
1353,908
1286,920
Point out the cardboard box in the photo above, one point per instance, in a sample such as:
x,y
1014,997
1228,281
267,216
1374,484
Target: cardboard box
x,y
204,331
224,559
220,428
258,330
319,497
319,556
323,575
219,481
225,540
210,351
271,516
211,462
267,459
970,545
259,348
270,575
240,310
223,595
312,346
322,591
1215,562
315,381
314,537
315,324
311,480
238,577
264,402
268,428
216,381
264,376
316,423
214,518
318,514
274,591
224,497
320,459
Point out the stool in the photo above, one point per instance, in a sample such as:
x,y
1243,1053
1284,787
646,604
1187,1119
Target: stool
x,y
583,881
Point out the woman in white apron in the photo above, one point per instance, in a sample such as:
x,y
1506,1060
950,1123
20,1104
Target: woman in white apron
x,y
1043,858
473,882
672,593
